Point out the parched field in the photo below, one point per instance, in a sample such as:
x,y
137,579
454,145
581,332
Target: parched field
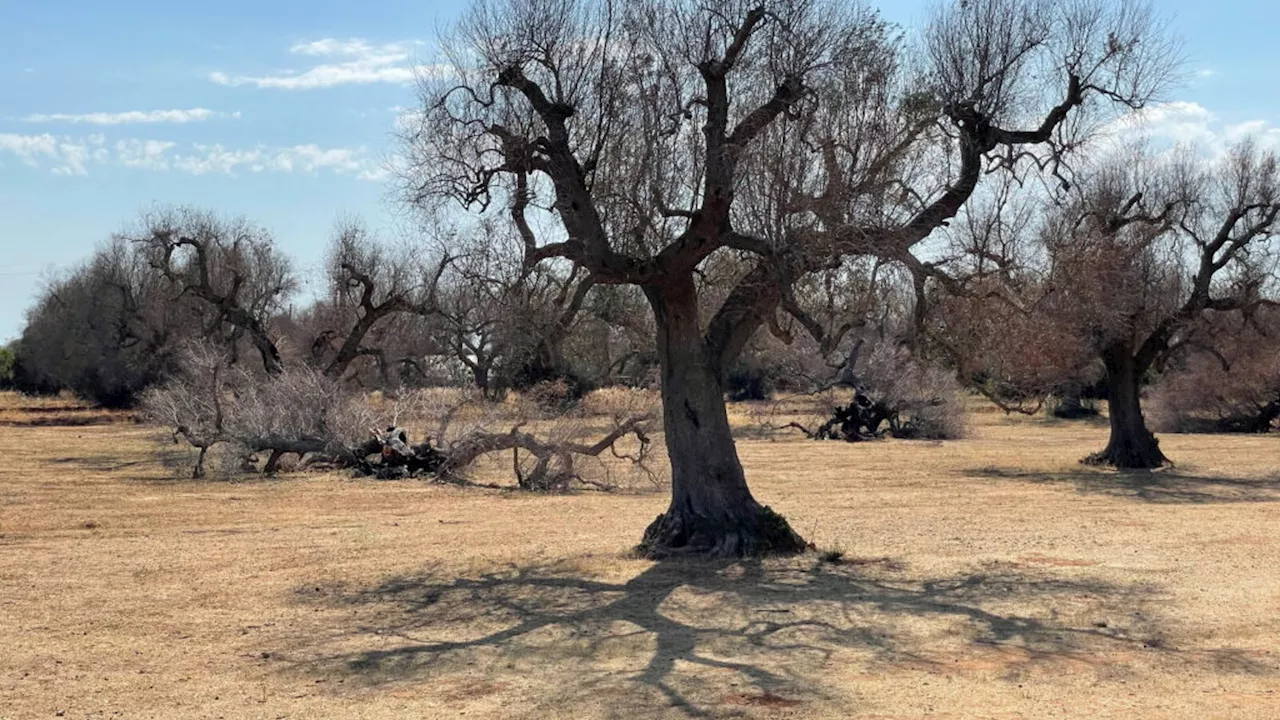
x,y
986,578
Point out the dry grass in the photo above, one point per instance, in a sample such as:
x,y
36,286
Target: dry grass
x,y
986,578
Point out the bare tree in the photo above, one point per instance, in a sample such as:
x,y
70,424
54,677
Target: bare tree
x,y
505,322
231,266
646,138
613,341
1119,275
371,283
1150,249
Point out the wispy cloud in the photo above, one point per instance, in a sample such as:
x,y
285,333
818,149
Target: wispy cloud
x,y
1192,124
352,61
308,159
131,117
150,154
64,156
29,148
72,156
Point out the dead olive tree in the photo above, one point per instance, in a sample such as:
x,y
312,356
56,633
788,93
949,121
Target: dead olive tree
x,y
638,140
507,323
1124,271
370,284
230,266
1151,248
302,411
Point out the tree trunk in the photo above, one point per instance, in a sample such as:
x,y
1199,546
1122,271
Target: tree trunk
x,y
1131,445
197,472
481,374
712,513
273,463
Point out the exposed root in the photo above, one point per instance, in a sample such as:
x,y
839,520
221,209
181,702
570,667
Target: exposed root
x,y
1129,456
755,531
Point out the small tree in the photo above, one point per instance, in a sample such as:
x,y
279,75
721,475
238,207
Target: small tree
x,y
8,364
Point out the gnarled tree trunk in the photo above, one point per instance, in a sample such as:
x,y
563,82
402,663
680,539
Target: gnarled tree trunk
x,y
1131,445
712,512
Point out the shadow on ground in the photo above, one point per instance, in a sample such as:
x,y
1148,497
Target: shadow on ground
x,y
701,639
1169,485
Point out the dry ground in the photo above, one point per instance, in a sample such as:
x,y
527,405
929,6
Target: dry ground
x,y
986,578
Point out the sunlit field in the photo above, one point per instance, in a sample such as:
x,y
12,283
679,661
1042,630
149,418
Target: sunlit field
x,y
990,577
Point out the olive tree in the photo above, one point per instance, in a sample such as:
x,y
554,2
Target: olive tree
x,y
105,330
1150,251
230,269
638,140
371,285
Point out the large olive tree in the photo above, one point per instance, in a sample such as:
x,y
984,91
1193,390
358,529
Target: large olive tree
x,y
1150,251
635,140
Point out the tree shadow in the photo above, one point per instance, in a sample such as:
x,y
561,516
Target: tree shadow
x,y
1169,485
100,462
696,637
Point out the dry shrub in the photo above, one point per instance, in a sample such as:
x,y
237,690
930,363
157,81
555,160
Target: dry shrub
x,y
622,401
212,402
1205,397
924,399
553,395
911,399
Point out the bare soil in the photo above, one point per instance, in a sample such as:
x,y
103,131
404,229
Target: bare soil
x,y
992,577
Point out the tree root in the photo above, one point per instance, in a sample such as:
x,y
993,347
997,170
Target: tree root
x,y
755,531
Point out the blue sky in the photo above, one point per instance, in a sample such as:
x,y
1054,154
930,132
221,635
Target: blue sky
x,y
283,111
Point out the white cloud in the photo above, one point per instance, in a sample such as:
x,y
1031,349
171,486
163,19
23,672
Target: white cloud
x,y
29,148
132,117
309,159
66,156
352,61
72,157
215,159
1192,124
144,153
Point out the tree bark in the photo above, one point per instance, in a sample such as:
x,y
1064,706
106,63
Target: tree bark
x,y
712,512
1131,444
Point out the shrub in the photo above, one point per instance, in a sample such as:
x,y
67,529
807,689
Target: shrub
x,y
923,400
1229,385
8,362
